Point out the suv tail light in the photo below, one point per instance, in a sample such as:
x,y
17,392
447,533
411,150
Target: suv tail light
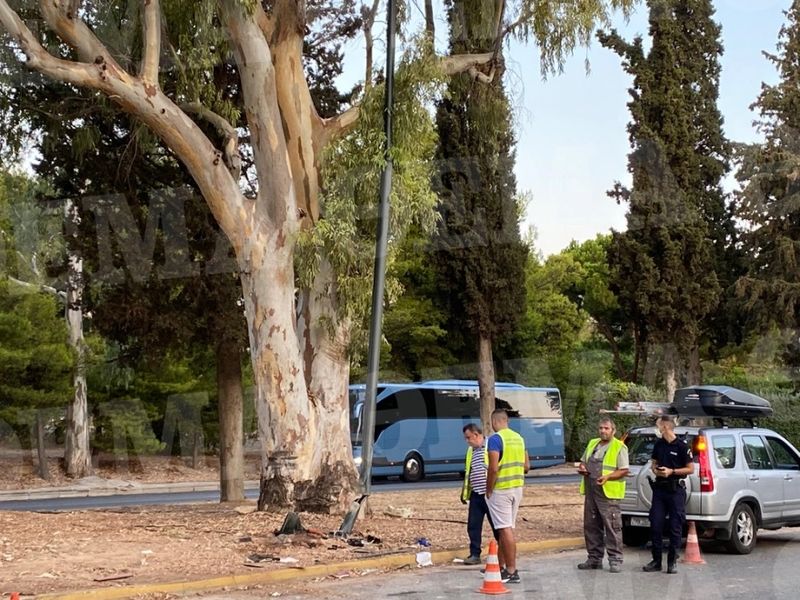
x,y
701,452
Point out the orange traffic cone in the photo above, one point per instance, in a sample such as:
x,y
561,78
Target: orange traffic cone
x,y
14,596
492,581
692,555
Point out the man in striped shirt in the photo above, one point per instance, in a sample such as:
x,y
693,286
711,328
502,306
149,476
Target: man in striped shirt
x,y
474,491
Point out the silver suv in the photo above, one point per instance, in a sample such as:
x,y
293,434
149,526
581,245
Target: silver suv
x,y
745,479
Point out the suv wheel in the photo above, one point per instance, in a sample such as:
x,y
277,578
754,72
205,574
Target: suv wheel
x,y
743,530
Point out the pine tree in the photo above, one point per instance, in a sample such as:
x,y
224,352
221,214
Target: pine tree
x,y
665,266
479,252
769,197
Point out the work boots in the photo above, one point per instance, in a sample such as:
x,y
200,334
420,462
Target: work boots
x,y
653,566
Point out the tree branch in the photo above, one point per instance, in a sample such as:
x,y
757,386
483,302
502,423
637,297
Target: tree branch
x,y
62,17
39,288
41,60
152,41
230,136
254,57
178,132
461,63
368,15
341,123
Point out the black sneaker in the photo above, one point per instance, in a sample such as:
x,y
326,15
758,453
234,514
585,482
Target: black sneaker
x,y
503,572
584,566
510,577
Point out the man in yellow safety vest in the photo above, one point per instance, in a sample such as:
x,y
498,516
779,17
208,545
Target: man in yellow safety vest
x,y
505,478
604,466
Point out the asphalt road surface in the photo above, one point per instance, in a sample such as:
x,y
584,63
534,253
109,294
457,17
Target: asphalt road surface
x,y
769,573
142,499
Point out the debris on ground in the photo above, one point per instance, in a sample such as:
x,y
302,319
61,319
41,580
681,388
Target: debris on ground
x,y
401,512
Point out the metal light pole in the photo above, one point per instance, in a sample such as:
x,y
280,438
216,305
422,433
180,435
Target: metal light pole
x,y
379,273
378,282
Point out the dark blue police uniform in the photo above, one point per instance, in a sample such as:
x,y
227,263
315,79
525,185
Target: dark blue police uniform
x,y
669,497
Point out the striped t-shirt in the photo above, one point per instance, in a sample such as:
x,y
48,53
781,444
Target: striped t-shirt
x,y
477,471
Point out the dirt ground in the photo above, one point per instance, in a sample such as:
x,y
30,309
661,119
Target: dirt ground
x,y
81,550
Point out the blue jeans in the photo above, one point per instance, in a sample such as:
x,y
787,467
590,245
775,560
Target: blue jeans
x,y
477,510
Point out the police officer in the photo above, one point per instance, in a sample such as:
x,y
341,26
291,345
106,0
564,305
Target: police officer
x,y
672,462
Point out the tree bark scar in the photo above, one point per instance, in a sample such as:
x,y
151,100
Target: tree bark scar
x,y
150,89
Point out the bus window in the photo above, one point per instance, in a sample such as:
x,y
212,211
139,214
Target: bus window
x,y
386,414
416,404
457,404
528,403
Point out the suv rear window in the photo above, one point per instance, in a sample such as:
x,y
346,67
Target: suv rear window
x,y
724,450
640,446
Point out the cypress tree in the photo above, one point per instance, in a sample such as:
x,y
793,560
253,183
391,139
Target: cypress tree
x,y
769,196
478,250
665,266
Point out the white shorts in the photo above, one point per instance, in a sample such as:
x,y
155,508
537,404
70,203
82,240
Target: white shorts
x,y
504,506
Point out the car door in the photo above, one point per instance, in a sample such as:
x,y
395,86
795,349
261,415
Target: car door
x,y
762,478
787,465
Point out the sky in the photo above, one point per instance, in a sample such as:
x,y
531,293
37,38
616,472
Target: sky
x,y
572,138
572,142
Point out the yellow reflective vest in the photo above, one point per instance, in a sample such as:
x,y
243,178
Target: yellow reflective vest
x,y
466,489
614,490
511,469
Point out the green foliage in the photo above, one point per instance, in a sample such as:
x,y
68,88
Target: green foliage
x,y
414,326
35,361
344,237
558,28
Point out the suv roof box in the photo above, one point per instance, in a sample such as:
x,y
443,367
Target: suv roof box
x,y
719,401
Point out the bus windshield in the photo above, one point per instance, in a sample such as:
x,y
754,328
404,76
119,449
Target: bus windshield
x,y
356,408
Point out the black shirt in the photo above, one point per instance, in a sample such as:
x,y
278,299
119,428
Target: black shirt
x,y
673,455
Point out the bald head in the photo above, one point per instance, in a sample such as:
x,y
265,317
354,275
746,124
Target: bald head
x,y
499,419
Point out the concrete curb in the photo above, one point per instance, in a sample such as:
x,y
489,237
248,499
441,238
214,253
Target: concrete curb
x,y
204,585
79,491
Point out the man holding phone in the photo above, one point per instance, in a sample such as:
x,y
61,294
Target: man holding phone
x,y
604,466
672,462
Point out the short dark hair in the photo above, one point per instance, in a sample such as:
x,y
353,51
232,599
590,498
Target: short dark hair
x,y
500,412
667,419
608,420
473,427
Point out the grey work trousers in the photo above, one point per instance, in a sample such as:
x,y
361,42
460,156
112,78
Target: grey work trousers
x,y
602,525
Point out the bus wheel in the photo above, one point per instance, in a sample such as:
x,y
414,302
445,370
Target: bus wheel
x,y
413,468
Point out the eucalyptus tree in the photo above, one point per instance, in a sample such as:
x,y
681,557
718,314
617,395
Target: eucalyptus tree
x,y
292,203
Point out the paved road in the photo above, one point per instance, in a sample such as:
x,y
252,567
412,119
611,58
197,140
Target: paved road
x,y
769,573
193,497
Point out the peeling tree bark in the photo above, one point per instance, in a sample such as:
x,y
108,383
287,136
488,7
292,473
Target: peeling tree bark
x,y
327,369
